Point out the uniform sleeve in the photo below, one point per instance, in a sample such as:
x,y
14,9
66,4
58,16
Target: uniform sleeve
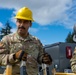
x,y
41,52
73,61
5,57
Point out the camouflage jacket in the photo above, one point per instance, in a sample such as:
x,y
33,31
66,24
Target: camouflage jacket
x,y
73,61
31,45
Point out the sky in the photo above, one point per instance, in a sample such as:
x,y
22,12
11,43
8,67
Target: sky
x,y
54,19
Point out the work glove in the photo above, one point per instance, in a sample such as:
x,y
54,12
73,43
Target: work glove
x,y
46,58
21,55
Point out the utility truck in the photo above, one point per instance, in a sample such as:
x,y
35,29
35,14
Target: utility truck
x,y
61,54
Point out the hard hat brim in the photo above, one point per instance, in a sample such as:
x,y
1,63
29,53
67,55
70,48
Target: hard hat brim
x,y
17,17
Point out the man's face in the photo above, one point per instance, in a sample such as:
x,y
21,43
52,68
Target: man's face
x,y
23,26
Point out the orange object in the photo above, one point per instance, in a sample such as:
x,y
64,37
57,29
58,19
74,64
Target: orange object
x,y
9,69
64,73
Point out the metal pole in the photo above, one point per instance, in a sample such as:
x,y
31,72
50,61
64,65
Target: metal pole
x,y
23,65
23,68
44,69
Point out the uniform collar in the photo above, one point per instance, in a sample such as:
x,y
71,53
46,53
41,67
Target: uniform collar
x,y
29,37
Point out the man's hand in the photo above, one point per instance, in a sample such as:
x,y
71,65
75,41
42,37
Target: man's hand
x,y
47,59
21,55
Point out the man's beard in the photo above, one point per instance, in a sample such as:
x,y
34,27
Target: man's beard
x,y
22,31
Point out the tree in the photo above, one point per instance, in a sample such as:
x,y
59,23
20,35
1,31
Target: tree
x,y
69,38
6,30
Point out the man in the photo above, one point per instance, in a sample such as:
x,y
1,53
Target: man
x,y
73,61
12,46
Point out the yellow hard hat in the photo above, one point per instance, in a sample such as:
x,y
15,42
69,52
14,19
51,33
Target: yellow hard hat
x,y
24,13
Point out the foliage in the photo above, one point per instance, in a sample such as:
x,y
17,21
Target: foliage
x,y
6,30
69,38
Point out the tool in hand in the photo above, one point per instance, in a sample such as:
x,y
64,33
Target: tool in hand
x,y
9,69
23,65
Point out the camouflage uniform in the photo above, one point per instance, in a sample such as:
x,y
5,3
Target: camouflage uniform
x,y
73,61
31,45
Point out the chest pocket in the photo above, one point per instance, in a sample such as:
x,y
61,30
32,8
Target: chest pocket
x,y
15,46
32,49
29,47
